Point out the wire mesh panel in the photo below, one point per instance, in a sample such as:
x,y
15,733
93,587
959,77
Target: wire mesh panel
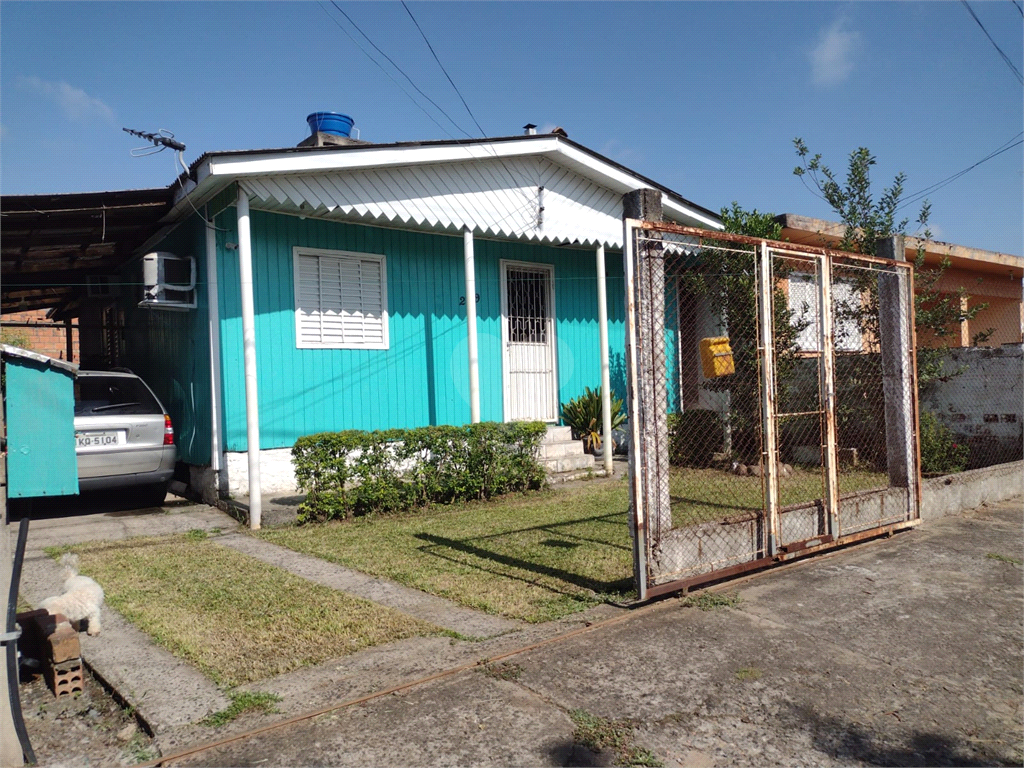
x,y
766,385
699,366
799,350
872,337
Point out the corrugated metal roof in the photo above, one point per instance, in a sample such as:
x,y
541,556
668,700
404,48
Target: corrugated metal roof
x,y
491,197
26,354
52,244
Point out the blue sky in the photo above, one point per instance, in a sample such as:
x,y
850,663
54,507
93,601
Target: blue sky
x,y
705,98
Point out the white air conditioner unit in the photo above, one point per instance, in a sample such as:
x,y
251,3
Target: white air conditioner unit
x,y
101,286
168,281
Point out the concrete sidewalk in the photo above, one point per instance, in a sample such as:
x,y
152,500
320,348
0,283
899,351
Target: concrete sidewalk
x,y
899,651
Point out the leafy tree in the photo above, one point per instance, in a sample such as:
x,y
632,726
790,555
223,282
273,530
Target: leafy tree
x,y
867,222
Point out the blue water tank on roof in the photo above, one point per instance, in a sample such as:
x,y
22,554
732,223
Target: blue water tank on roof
x,y
333,123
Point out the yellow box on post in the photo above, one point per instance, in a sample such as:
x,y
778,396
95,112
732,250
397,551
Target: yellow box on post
x,y
716,357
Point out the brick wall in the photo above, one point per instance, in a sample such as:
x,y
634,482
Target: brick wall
x,y
42,336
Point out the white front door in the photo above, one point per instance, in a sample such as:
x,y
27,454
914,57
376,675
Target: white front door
x,y
529,363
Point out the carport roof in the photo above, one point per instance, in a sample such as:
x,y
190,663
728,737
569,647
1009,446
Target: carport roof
x,y
52,244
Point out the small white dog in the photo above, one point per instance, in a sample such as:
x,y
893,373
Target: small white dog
x,y
82,597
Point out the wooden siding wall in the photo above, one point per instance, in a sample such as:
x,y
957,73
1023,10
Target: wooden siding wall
x,y
423,377
169,349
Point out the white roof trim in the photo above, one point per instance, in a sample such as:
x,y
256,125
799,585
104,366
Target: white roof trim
x,y
369,157
500,198
219,170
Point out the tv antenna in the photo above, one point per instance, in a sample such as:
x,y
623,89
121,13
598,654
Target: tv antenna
x,y
161,140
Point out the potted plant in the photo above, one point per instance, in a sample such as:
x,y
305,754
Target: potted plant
x,y
583,415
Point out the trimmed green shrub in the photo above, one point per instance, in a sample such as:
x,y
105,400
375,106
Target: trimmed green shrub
x,y
351,473
694,437
584,414
941,454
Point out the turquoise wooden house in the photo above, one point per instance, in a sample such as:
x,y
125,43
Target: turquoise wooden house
x,y
341,284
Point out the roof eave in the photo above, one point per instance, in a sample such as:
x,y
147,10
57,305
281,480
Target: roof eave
x,y
834,230
214,171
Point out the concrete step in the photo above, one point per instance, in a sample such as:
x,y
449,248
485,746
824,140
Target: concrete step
x,y
568,463
557,435
575,474
559,449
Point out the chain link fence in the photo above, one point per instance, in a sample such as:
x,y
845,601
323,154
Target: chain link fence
x,y
764,426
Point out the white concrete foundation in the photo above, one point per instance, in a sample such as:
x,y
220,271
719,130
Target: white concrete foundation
x,y
276,473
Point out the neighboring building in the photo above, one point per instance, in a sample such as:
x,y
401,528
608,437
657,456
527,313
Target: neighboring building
x,y
36,331
358,257
988,277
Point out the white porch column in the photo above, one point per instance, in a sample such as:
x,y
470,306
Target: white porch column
x,y
474,365
606,387
252,415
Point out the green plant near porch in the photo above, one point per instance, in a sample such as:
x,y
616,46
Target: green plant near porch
x,y
584,415
941,454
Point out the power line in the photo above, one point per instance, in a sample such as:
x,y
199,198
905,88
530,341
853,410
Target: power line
x,y
406,76
514,178
1006,58
1005,147
434,54
389,76
1018,7
483,133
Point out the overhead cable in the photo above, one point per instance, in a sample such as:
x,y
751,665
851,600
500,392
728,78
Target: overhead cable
x,y
434,54
1010,64
483,133
402,71
1005,147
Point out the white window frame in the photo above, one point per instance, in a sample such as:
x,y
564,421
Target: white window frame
x,y
854,340
300,251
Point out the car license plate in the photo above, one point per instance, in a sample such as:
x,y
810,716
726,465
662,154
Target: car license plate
x,y
99,439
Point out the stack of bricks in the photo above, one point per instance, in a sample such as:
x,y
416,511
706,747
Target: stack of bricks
x,y
54,642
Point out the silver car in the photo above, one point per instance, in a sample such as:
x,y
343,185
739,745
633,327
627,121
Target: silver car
x,y
123,436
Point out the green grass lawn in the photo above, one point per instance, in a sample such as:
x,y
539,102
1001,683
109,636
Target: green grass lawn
x,y
700,495
534,557
537,556
237,619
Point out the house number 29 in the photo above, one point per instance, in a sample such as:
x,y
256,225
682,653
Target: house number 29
x,y
462,300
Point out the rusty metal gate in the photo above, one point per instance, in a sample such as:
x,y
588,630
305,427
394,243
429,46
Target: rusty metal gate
x,y
772,401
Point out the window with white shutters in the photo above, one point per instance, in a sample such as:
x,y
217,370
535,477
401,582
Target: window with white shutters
x,y
803,303
341,300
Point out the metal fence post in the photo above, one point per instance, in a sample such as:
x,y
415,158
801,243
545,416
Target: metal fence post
x,y
827,383
769,441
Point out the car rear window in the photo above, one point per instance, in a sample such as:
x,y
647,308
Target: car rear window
x,y
114,396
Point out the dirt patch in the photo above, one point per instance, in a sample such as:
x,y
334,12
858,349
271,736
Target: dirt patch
x,y
84,729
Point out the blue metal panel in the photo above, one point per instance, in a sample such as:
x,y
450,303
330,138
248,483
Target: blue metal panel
x,y
40,430
422,378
